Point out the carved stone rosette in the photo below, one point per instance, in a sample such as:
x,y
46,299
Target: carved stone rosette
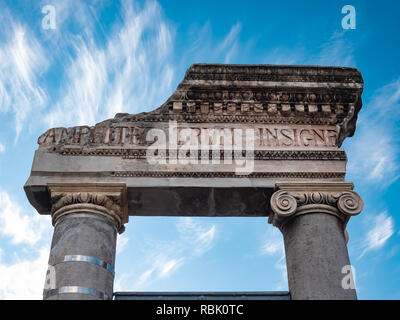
x,y
105,200
293,199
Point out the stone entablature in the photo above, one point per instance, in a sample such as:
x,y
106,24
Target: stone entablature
x,y
298,117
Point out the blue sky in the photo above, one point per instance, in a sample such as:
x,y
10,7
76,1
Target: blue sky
x,y
106,57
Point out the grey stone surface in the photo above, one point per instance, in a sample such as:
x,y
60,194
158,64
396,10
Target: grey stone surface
x,y
316,252
86,235
197,201
300,116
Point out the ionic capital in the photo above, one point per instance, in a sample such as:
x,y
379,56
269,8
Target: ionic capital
x,y
106,200
293,199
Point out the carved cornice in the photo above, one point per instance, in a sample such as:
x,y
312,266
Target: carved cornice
x,y
129,153
106,200
229,174
268,94
243,72
259,118
295,199
248,94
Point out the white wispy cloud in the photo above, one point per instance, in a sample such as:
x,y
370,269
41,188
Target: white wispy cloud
x,y
193,239
162,266
122,242
273,246
22,228
229,46
337,51
144,277
284,56
22,62
120,282
273,242
2,148
373,156
280,265
196,235
374,150
382,228
130,72
203,47
69,12
170,265
24,280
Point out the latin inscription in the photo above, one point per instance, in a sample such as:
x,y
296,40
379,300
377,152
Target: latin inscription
x,y
267,136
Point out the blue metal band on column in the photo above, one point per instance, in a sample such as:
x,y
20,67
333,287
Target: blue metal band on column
x,y
83,258
76,289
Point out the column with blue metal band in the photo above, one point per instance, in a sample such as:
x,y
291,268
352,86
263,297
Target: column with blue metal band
x,y
312,218
86,219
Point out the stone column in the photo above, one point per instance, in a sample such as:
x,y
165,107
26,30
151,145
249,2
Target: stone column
x,y
86,219
313,218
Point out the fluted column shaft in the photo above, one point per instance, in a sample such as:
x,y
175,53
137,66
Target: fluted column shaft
x,y
86,221
312,219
